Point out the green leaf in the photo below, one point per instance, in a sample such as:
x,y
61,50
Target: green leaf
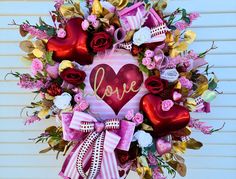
x,y
184,13
144,69
213,83
187,20
82,86
51,32
49,58
172,27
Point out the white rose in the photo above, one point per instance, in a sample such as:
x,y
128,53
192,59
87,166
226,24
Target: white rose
x,y
62,101
170,75
144,139
143,35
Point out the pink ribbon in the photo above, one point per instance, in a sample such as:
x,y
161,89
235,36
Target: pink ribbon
x,y
94,157
119,36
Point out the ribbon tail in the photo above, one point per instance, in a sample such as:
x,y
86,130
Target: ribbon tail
x,y
109,167
69,170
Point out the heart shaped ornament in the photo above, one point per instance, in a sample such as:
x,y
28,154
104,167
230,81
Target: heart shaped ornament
x,y
114,85
74,46
163,122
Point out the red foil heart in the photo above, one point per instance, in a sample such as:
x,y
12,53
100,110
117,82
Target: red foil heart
x,y
74,46
127,75
163,122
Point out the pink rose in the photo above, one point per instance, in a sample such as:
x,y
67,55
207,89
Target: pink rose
x,y
151,66
61,33
78,97
149,53
186,83
92,18
85,25
96,24
130,114
138,118
146,61
36,66
167,104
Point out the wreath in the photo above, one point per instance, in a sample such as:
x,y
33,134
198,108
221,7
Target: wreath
x,y
119,81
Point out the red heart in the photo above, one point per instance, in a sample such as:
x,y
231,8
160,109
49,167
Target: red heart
x,y
127,75
163,122
74,46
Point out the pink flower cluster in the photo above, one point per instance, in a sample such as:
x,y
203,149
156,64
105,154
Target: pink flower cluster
x,y
91,20
197,124
182,25
185,60
32,119
136,118
82,104
186,83
27,82
151,60
35,32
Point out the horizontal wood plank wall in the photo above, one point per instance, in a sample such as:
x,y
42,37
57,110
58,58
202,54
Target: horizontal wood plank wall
x,y
19,158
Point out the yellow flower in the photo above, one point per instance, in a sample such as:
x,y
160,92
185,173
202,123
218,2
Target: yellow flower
x,y
43,113
38,53
189,36
65,64
175,45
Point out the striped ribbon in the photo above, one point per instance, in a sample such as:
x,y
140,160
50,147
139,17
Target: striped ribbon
x,y
157,34
97,149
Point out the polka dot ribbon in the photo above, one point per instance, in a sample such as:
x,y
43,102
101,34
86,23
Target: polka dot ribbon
x,y
96,140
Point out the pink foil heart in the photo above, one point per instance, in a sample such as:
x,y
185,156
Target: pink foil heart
x,y
163,146
177,96
52,70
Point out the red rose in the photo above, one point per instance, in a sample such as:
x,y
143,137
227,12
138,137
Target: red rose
x,y
73,76
101,41
155,85
136,50
54,89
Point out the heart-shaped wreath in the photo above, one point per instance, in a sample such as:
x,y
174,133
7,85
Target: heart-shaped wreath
x,y
120,80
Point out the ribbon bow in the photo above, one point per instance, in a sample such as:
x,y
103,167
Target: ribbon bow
x,y
94,156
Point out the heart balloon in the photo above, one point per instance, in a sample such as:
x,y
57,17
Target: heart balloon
x,y
163,122
74,46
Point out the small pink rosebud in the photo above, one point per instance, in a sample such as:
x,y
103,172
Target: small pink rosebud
x,y
138,118
146,61
149,53
96,24
78,97
61,33
167,105
92,18
85,25
151,66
